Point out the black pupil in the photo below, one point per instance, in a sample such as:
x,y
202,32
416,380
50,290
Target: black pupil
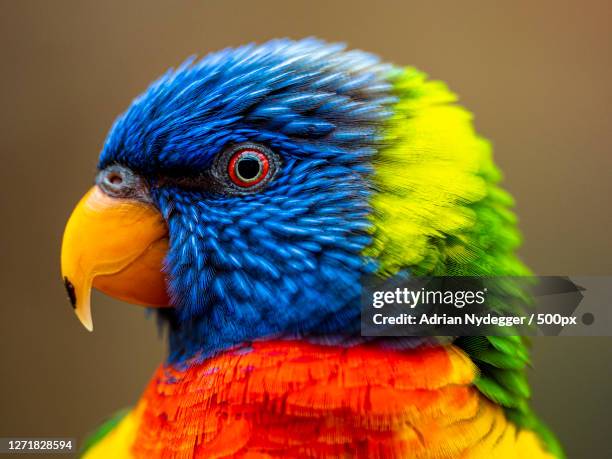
x,y
248,168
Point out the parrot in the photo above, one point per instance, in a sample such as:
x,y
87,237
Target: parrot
x,y
241,199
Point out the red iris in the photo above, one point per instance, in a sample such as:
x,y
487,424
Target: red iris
x,y
248,167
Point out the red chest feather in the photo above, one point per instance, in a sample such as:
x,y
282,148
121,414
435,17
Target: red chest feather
x,y
292,398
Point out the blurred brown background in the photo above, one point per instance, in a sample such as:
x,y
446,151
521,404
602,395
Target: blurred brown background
x,y
536,74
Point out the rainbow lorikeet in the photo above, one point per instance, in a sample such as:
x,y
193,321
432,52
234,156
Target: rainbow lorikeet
x,y
245,196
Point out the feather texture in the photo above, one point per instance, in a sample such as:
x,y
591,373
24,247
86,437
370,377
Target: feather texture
x,y
293,399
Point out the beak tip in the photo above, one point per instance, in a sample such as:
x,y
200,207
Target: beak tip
x,y
86,322
80,304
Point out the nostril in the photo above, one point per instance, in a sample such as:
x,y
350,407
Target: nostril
x,y
120,182
114,178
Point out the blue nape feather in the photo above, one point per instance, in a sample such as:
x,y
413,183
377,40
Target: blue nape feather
x,y
285,260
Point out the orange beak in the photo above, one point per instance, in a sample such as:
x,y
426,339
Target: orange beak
x,y
117,246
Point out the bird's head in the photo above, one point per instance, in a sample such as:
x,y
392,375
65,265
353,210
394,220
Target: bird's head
x,y
247,193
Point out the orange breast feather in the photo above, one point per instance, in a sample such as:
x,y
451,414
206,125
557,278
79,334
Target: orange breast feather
x,y
294,399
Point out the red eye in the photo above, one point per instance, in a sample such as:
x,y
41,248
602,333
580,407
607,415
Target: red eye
x,y
248,167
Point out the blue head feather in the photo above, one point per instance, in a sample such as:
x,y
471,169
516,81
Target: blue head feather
x,y
287,259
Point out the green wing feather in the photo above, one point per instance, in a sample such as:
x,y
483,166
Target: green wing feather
x,y
103,430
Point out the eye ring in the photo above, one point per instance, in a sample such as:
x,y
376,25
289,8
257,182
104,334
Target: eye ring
x,y
245,168
248,167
